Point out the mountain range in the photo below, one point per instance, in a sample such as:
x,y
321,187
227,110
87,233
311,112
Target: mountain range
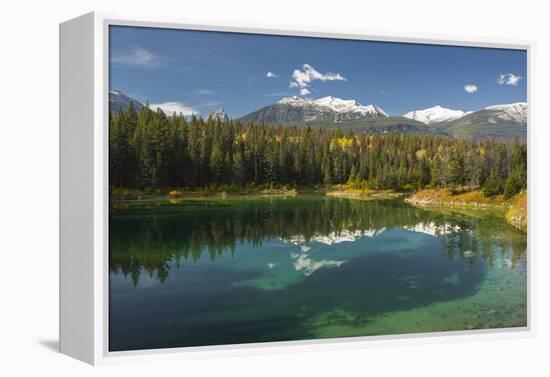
x,y
120,101
498,122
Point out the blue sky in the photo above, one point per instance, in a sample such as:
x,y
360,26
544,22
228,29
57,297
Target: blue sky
x,y
197,71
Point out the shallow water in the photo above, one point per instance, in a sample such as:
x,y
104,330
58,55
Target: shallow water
x,y
254,269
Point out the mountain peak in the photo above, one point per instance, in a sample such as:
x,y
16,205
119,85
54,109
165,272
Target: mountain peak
x,y
338,104
434,114
335,105
517,106
218,114
516,112
294,100
120,101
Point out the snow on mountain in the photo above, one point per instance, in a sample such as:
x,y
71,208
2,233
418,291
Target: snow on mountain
x,y
435,114
295,101
219,114
516,112
346,106
337,105
120,101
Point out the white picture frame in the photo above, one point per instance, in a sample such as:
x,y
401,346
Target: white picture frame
x,y
84,269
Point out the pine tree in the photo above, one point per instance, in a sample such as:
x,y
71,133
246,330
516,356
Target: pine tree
x,y
216,164
148,150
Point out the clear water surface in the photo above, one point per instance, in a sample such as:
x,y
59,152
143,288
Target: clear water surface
x,y
256,269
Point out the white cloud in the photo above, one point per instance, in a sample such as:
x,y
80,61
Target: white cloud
x,y
470,88
170,107
304,92
271,75
138,56
304,77
508,79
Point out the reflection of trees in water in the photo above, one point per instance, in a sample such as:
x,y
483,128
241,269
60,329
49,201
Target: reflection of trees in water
x,y
145,240
484,240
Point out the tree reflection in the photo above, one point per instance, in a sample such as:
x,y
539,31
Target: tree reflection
x,y
146,237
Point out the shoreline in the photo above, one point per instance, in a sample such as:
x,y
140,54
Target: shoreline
x,y
514,210
137,195
141,195
366,194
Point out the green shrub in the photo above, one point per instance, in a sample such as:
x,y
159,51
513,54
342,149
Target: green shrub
x,y
513,185
492,186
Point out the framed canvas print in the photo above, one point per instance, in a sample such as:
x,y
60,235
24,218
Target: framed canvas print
x,y
225,187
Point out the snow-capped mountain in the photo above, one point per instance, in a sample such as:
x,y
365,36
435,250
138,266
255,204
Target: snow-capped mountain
x,y
498,122
327,110
335,104
516,112
120,101
435,114
219,114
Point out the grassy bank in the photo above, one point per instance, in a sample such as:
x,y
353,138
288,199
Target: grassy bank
x,y
517,212
467,201
124,193
513,209
444,197
345,191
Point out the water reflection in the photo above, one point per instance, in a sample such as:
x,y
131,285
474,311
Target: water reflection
x,y
151,237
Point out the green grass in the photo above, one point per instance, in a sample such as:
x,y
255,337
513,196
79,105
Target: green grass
x,y
473,202
517,213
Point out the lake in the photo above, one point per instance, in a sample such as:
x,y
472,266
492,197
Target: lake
x,y
257,269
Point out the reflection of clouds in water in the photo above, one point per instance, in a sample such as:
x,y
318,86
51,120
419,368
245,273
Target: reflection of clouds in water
x,y
147,281
412,281
453,279
335,237
509,262
309,266
271,265
305,249
432,229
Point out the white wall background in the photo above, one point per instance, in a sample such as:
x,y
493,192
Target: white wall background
x,y
29,184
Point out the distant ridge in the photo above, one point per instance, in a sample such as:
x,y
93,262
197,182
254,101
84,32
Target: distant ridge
x,y
120,101
496,122
435,114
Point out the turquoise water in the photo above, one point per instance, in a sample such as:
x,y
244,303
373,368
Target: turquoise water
x,y
256,269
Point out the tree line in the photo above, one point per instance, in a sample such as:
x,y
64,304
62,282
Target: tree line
x,y
149,150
